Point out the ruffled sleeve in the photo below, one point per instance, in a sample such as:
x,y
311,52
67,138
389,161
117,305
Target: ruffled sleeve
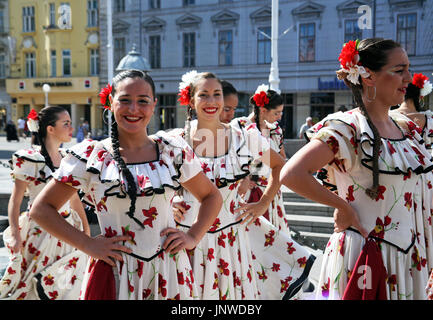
x,y
29,165
176,151
428,131
339,132
73,167
277,139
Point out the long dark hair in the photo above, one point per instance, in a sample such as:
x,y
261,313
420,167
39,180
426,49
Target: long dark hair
x,y
373,54
47,117
413,93
275,100
131,186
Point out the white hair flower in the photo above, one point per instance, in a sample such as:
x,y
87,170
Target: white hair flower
x,y
425,91
262,87
187,79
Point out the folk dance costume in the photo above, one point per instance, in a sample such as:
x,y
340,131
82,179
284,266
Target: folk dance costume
x,y
390,217
233,261
276,212
46,268
148,272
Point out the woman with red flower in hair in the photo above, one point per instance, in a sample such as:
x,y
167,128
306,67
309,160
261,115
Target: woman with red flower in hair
x,y
38,261
242,256
420,119
129,178
374,165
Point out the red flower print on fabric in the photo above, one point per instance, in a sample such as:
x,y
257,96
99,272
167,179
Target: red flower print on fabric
x,y
269,238
69,180
223,267
333,144
290,248
408,200
349,194
381,190
151,215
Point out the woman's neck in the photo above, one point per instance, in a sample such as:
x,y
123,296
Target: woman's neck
x,y
213,126
52,145
377,111
252,118
407,107
134,141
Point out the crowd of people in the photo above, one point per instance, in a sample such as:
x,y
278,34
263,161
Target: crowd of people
x,y
197,212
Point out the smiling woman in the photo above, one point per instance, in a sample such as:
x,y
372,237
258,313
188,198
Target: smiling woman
x,y
129,179
39,262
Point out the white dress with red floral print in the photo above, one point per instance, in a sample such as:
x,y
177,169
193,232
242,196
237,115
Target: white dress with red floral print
x,y
390,218
276,214
47,268
234,262
424,196
149,272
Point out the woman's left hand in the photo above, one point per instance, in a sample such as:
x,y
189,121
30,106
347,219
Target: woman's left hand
x,y
177,240
251,211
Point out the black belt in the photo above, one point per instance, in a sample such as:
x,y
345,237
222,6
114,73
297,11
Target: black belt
x,y
387,242
215,231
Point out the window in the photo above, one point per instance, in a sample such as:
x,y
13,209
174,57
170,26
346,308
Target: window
x,y
307,39
30,65
28,19
188,3
167,111
286,122
119,5
225,48
406,32
351,30
189,49
92,13
2,21
52,15
155,51
155,4
94,62
53,59
264,45
322,104
66,62
119,50
2,65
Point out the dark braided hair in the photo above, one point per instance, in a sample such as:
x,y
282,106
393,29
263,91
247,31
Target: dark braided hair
x,y
413,93
47,117
131,186
373,54
275,100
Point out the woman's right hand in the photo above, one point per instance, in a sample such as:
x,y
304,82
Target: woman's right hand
x,y
179,210
347,217
16,243
108,249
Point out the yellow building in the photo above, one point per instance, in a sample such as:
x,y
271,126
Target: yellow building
x,y
55,42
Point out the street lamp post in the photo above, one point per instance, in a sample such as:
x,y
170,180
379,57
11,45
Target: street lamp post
x,y
46,88
274,79
109,53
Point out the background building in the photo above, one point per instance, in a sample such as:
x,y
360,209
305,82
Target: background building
x,y
5,101
229,37
55,42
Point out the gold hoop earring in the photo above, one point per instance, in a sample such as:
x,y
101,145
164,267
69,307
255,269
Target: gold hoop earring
x,y
368,93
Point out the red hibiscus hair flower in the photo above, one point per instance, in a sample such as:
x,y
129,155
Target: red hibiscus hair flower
x,y
184,96
261,99
349,54
33,115
104,99
418,80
